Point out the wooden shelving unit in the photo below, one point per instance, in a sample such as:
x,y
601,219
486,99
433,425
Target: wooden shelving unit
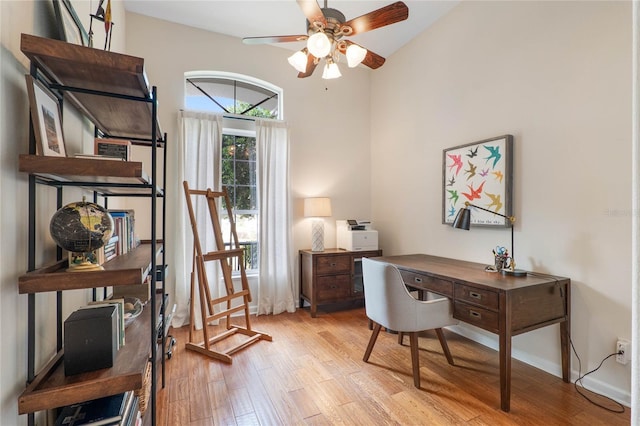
x,y
112,91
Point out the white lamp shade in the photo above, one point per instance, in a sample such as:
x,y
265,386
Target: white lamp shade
x,y
355,55
299,61
331,70
319,45
317,207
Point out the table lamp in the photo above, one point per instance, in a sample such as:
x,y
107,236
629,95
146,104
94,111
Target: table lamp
x,y
317,208
463,221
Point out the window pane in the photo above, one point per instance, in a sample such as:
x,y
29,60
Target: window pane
x,y
228,147
246,198
228,95
245,173
245,148
247,230
228,172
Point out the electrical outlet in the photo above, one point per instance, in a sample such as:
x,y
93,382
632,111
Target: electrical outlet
x,y
623,351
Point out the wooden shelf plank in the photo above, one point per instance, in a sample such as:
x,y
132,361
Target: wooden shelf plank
x,y
94,69
52,389
83,168
90,173
127,269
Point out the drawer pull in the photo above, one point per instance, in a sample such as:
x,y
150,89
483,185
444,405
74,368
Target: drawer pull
x,y
475,314
333,264
418,280
475,295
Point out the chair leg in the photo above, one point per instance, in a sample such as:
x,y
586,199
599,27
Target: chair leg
x,y
415,360
445,346
400,336
372,341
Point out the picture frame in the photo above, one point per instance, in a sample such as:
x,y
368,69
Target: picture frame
x,y
46,118
70,27
480,173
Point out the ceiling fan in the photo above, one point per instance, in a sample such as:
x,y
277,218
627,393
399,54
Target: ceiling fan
x,y
326,28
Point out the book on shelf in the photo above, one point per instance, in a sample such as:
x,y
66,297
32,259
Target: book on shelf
x,y
124,229
118,148
110,410
110,249
98,157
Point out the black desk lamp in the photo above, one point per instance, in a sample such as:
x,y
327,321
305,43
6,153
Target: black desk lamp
x,y
463,221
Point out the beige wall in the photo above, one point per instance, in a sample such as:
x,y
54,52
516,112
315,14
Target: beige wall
x,y
557,76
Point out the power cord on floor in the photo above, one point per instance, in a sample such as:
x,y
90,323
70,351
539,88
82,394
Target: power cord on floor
x,y
582,386
580,375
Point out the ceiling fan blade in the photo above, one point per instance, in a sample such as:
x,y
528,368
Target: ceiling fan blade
x,y
274,39
387,15
371,59
312,11
311,66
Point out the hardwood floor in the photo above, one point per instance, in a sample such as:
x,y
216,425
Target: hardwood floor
x,y
313,373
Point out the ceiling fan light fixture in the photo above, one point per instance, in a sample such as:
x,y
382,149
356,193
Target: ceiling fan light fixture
x,y
319,45
355,55
331,70
299,60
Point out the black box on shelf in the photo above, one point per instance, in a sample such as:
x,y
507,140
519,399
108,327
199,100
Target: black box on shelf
x,y
90,339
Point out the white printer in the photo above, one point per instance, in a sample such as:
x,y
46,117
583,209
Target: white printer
x,y
356,235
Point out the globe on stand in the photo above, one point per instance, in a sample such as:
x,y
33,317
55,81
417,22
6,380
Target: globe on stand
x,y
81,228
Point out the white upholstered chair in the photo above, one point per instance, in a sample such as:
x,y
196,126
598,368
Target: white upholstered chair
x,y
389,304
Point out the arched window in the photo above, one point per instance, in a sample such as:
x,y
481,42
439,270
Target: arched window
x,y
231,93
238,98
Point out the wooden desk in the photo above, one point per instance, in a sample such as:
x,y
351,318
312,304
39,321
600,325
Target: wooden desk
x,y
501,304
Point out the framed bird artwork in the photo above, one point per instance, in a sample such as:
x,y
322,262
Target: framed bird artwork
x,y
480,173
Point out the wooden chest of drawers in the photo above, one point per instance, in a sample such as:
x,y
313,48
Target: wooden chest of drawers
x,y
331,276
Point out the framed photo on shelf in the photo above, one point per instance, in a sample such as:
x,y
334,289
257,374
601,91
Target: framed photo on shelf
x,y
479,173
69,25
45,115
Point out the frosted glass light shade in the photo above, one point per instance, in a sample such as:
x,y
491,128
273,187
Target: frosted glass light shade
x,y
331,70
355,55
319,45
298,60
317,207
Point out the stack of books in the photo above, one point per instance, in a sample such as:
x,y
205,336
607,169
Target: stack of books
x,y
124,229
115,410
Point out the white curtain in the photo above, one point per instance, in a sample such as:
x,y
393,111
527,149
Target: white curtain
x,y
198,163
276,283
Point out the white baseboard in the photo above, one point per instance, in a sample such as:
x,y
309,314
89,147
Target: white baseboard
x,y
593,384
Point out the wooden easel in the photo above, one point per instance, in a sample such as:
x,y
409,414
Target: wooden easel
x,y
207,304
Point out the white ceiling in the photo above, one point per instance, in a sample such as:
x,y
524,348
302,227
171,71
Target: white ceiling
x,y
244,18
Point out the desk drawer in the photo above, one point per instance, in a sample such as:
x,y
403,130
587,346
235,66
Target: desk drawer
x,y
333,287
427,282
333,264
485,298
474,315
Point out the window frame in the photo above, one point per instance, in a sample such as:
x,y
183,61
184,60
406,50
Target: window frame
x,y
223,75
240,125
